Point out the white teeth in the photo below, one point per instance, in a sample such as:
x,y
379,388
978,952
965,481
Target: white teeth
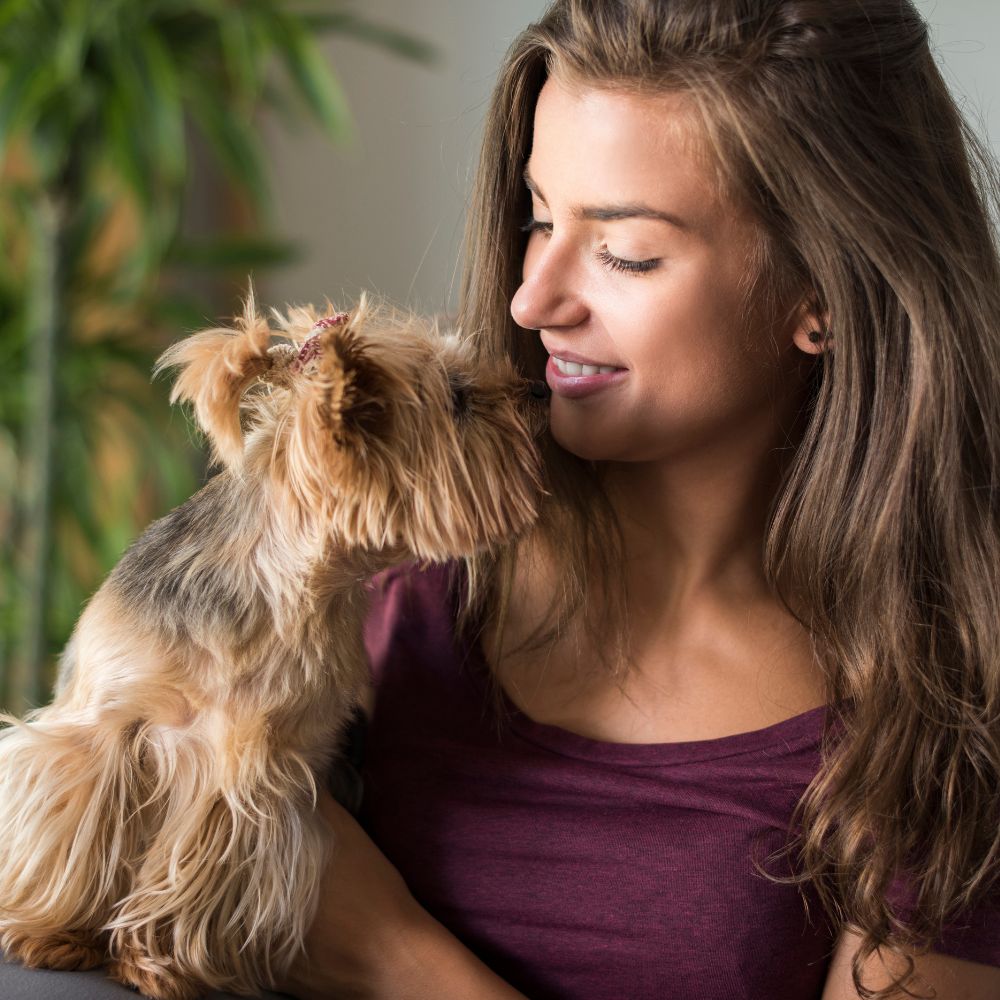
x,y
572,368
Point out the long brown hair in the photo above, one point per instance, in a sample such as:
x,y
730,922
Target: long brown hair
x,y
831,121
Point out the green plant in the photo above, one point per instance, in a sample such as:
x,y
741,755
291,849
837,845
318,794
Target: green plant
x,y
99,105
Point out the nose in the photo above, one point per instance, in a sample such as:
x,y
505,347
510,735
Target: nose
x,y
549,292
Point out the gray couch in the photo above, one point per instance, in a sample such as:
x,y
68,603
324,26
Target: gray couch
x,y
18,983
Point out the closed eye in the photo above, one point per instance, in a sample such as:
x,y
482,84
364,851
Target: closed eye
x,y
608,259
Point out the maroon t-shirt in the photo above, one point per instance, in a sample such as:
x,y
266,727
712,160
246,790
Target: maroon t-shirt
x,y
580,869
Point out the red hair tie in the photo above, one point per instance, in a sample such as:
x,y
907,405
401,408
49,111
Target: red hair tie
x,y
310,348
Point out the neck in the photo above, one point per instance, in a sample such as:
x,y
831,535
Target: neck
x,y
694,524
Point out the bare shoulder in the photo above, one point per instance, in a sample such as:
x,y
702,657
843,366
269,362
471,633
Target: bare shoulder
x,y
950,978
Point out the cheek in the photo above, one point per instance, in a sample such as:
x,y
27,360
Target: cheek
x,y
656,323
686,347
690,319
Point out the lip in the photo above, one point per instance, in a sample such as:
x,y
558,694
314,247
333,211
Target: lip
x,y
580,359
575,386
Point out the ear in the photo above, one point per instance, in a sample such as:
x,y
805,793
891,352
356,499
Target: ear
x,y
812,331
341,412
348,390
215,367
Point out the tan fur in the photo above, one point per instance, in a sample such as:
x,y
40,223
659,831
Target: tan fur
x,y
159,816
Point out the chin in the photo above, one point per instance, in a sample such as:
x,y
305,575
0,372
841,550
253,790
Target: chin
x,y
606,447
581,442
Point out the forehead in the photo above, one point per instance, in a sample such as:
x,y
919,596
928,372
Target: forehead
x,y
604,143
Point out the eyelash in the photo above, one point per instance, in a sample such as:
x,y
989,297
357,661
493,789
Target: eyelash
x,y
608,259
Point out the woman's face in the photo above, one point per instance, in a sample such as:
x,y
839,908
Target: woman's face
x,y
606,280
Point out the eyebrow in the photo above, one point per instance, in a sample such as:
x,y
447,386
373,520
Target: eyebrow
x,y
612,213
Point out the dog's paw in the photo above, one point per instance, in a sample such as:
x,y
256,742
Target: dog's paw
x,y
65,951
152,979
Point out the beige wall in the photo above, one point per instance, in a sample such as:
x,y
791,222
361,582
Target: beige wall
x,y
965,40
388,214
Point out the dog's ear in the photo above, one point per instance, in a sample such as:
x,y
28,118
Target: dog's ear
x,y
341,412
215,368
349,389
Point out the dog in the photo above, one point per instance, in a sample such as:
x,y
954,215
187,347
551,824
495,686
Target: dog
x,y
158,817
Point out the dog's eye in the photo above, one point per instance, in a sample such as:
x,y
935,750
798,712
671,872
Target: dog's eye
x,y
459,398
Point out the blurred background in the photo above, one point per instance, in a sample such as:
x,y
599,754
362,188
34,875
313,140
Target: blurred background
x,y
155,155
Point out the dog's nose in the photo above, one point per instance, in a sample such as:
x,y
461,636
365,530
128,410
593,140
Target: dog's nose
x,y
539,388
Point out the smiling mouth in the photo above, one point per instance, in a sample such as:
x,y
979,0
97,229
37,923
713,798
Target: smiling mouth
x,y
573,368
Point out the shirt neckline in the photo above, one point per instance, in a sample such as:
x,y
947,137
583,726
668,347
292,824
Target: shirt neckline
x,y
792,733
789,734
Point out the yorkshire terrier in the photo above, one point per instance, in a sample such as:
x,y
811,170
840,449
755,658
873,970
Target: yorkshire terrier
x,y
159,815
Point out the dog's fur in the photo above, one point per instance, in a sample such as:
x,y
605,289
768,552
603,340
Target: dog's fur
x,y
159,816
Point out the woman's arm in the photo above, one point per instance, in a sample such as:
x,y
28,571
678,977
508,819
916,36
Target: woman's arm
x,y
439,967
372,940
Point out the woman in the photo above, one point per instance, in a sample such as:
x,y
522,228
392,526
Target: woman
x,y
756,622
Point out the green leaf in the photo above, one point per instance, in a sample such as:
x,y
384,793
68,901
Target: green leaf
x,y
314,78
127,148
70,43
282,105
232,138
87,220
73,488
11,9
177,312
163,104
174,469
8,473
144,128
234,252
23,88
109,17
244,55
398,42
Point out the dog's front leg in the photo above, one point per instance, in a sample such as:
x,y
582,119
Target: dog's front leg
x,y
227,889
72,827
